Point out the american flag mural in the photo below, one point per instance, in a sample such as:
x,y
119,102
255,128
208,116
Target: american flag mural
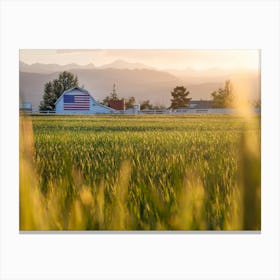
x,y
76,102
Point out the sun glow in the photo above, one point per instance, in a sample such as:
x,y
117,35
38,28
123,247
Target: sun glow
x,y
157,58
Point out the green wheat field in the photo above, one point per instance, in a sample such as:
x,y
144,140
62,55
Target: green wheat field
x,y
142,172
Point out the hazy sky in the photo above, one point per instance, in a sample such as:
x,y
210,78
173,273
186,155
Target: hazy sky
x,y
161,59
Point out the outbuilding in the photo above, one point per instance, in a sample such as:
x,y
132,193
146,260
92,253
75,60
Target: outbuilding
x,y
25,107
200,104
77,100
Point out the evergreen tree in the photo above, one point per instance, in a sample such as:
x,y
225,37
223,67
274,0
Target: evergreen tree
x,y
49,98
113,96
180,99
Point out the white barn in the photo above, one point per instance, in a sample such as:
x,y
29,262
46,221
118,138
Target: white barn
x,y
79,101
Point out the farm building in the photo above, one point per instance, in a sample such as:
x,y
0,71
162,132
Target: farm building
x,y
200,104
117,104
79,101
25,107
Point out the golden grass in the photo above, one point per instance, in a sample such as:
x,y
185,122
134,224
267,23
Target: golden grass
x,y
193,202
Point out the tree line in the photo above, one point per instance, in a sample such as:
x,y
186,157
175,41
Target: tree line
x,y
221,98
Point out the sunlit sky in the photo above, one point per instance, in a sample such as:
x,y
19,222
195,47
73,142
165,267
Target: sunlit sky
x,y
161,59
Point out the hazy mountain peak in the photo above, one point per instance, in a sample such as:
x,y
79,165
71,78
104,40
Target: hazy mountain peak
x,y
122,64
51,68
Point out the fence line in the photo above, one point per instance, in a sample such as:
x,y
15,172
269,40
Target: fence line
x,y
156,112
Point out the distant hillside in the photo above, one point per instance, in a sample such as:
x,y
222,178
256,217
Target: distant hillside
x,y
31,87
41,68
142,84
121,64
131,79
51,68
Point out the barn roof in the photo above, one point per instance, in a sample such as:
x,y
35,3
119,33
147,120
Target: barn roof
x,y
85,91
70,89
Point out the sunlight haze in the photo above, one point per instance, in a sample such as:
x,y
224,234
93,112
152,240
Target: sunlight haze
x,y
160,59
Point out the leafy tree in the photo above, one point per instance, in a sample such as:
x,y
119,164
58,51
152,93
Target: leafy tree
x,y
54,89
180,99
158,107
145,105
223,97
105,101
129,102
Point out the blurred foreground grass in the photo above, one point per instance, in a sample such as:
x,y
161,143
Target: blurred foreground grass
x,y
140,173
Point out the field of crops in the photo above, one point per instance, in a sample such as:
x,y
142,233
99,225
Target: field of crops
x,y
154,172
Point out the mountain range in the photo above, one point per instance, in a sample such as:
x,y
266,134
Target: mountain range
x,y
131,79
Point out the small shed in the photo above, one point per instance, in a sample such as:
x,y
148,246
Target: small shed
x,y
79,101
25,107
